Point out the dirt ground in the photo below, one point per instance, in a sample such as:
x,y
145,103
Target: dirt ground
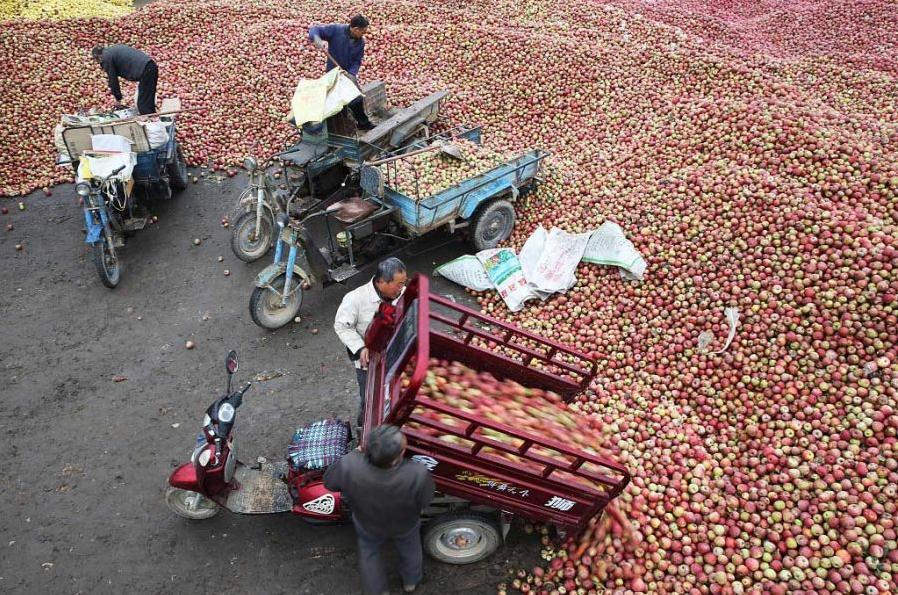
x,y
85,458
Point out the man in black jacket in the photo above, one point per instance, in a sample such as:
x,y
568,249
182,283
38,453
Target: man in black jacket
x,y
133,65
386,493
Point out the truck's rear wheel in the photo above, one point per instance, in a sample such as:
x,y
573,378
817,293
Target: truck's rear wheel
x,y
461,538
492,224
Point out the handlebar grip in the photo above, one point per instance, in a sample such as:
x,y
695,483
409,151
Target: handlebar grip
x,y
115,171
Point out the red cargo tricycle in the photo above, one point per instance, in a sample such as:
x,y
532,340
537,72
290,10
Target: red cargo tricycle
x,y
477,492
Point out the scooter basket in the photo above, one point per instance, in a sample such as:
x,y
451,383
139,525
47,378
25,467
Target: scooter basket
x,y
318,445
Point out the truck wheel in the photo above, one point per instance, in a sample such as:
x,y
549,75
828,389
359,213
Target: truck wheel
x,y
265,305
248,243
177,172
106,261
461,538
190,505
491,224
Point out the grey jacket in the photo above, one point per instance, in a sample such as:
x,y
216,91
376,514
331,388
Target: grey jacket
x,y
123,61
386,502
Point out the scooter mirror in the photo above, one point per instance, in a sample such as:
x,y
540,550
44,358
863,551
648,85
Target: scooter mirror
x,y
231,362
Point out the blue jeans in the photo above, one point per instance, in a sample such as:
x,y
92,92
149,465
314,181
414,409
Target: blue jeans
x,y
411,562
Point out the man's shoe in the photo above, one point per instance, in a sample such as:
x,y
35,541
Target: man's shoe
x,y
409,588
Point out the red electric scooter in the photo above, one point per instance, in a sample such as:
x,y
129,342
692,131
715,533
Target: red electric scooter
x,y
215,478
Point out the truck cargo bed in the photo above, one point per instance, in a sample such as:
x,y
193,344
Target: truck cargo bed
x,y
553,482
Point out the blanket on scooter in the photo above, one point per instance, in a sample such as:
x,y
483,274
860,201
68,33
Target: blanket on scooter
x,y
318,445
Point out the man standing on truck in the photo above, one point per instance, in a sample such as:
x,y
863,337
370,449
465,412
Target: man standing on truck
x,y
386,493
357,310
346,44
133,65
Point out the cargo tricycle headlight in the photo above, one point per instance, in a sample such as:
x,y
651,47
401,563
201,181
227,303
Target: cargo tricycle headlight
x,y
83,189
249,164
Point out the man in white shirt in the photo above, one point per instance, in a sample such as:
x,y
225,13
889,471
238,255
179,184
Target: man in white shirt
x,y
357,310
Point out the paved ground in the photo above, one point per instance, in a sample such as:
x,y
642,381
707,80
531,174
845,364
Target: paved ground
x,y
85,459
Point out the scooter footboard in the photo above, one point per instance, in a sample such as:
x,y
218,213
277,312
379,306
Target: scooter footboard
x,y
260,491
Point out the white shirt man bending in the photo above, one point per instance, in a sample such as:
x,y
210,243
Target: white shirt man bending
x,y
357,310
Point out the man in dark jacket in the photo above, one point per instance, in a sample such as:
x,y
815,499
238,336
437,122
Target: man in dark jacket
x,y
346,43
133,65
386,493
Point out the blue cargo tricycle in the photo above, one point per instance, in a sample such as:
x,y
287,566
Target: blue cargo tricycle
x,y
360,226
111,185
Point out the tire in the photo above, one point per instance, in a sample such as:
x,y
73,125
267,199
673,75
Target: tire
x,y
493,223
242,244
265,310
190,505
461,538
106,260
177,172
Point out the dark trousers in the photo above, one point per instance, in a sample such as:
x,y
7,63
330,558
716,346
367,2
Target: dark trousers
x,y
357,106
146,89
362,377
411,563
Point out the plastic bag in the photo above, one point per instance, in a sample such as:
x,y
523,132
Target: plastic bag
x,y
315,100
609,245
113,143
157,133
504,270
99,167
466,270
550,260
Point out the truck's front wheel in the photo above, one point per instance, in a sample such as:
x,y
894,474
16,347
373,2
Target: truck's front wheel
x,y
461,538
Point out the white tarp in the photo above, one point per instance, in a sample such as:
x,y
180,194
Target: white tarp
x,y
546,265
318,99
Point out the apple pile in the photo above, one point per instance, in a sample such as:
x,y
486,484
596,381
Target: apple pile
x,y
426,174
505,401
749,151
63,9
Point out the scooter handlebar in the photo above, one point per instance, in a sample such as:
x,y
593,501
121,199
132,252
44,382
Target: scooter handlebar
x,y
237,398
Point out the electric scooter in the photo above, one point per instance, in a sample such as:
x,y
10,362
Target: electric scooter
x,y
214,478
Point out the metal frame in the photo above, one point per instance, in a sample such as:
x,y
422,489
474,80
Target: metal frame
x,y
430,325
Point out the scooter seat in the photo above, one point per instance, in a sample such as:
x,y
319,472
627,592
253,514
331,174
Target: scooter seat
x,y
351,210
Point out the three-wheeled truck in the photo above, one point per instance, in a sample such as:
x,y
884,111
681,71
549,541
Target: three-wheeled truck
x,y
110,200
325,157
357,226
477,492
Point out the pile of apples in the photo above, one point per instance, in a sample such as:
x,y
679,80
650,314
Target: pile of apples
x,y
427,174
63,9
529,410
748,150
